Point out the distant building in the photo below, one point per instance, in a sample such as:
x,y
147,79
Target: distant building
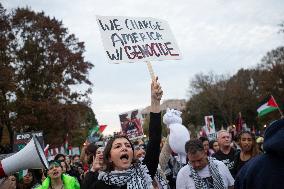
x,y
178,104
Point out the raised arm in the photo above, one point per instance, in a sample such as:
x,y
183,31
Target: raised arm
x,y
155,129
165,155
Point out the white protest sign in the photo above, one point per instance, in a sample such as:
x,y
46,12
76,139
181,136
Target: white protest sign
x,y
132,39
209,127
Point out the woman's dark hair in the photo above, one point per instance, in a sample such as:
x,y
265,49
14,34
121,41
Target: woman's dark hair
x,y
211,143
91,149
109,165
74,156
136,142
91,152
254,148
37,175
202,138
59,156
34,181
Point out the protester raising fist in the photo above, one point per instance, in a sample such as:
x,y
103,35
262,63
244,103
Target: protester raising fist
x,y
122,168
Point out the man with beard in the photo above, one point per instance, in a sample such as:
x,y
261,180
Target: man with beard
x,y
203,171
57,180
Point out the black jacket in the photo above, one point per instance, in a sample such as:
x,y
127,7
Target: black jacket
x,y
151,159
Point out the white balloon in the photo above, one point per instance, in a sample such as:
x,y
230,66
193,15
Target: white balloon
x,y
179,134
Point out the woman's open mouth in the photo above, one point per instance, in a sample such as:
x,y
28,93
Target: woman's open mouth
x,y
124,157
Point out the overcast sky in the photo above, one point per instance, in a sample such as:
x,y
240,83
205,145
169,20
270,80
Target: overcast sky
x,y
213,35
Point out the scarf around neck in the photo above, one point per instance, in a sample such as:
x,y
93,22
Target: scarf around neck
x,y
214,171
136,177
160,177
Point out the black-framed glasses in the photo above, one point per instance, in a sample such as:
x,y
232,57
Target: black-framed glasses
x,y
139,147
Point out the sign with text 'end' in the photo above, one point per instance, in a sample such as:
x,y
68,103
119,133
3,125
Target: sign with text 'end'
x,y
132,39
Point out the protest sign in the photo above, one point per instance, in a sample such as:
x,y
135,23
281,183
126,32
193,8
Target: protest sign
x,y
209,128
21,139
131,124
131,39
75,151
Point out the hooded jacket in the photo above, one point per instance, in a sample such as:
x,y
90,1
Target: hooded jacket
x,y
266,171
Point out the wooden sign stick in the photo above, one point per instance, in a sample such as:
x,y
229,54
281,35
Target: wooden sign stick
x,y
150,69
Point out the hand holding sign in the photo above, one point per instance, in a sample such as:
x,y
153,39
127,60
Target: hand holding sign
x,y
156,95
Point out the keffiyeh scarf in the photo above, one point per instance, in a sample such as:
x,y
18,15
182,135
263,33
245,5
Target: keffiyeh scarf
x,y
217,179
136,177
161,179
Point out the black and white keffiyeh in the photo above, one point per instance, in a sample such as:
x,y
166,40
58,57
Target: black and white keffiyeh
x,y
173,167
217,179
161,179
136,177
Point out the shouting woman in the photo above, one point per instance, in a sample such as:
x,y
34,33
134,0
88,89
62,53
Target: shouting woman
x,y
122,170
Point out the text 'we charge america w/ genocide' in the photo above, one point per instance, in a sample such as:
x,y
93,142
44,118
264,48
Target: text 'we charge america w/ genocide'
x,y
136,38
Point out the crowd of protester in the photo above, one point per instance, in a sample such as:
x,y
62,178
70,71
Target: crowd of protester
x,y
120,163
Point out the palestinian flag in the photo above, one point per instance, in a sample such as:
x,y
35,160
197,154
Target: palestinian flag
x,y
94,130
102,128
268,105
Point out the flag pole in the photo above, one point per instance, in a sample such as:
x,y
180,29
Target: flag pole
x,y
281,113
150,69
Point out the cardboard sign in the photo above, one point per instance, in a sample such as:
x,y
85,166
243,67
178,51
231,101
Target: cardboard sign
x,y
75,151
208,129
21,139
131,124
132,39
209,123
